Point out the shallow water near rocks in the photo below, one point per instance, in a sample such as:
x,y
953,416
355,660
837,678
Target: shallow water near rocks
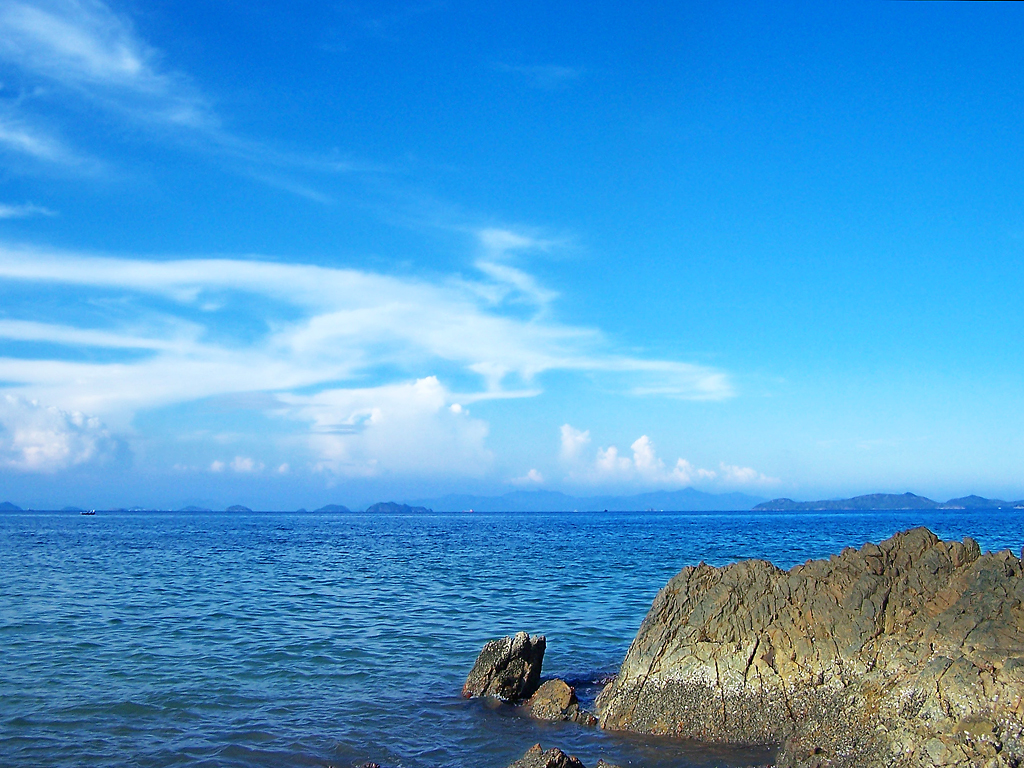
x,y
304,639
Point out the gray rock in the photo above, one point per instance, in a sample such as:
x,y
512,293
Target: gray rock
x,y
536,757
556,700
507,669
908,653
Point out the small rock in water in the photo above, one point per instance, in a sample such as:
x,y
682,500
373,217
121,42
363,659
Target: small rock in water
x,y
536,757
507,669
556,700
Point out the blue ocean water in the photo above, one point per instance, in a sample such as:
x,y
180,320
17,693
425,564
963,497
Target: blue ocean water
x,y
304,639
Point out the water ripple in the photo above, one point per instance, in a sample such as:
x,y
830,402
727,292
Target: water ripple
x,y
164,640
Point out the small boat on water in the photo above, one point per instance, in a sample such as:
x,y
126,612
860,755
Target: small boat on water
x,y
89,512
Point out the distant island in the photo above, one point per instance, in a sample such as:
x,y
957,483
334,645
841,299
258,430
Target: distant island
x,y
685,500
885,501
390,507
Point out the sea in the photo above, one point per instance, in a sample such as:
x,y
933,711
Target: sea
x,y
312,639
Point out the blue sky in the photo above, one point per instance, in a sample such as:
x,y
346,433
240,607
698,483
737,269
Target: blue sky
x,y
291,254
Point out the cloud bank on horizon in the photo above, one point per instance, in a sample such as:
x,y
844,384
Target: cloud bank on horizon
x,y
272,254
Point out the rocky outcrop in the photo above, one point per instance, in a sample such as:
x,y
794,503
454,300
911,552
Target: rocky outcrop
x,y
536,757
556,700
907,653
507,669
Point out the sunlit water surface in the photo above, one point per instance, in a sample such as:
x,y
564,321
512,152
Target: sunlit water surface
x,y
287,639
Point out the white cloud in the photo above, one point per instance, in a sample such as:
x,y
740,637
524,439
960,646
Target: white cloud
x,y
573,442
83,44
498,246
339,328
406,428
217,466
23,211
84,49
348,322
685,473
245,465
647,464
644,467
498,242
735,475
18,137
37,438
612,467
284,469
533,477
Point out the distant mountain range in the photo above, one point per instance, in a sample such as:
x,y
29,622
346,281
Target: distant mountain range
x,y
688,500
886,501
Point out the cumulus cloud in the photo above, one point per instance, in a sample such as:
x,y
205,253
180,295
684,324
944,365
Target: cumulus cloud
x,y
644,466
408,428
645,461
245,465
735,475
37,438
685,473
611,467
533,477
573,442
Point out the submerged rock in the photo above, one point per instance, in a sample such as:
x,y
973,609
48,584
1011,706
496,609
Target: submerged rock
x,y
507,669
556,700
536,757
907,653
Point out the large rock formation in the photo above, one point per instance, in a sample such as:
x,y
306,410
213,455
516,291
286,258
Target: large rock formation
x,y
507,669
907,653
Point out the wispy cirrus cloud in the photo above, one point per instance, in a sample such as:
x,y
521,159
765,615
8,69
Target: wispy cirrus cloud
x,y
84,50
23,211
19,138
86,46
182,332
